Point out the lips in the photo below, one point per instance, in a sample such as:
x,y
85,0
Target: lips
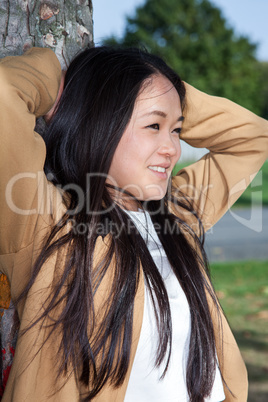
x,y
161,170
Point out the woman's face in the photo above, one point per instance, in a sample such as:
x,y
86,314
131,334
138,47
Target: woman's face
x,y
150,145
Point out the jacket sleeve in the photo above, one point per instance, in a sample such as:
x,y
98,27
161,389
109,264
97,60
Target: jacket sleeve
x,y
237,141
29,85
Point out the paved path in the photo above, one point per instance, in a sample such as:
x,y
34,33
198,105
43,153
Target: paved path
x,y
241,234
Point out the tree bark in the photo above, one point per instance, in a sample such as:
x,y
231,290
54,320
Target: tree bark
x,y
66,27
63,25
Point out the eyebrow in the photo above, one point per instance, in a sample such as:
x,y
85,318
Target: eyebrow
x,y
162,114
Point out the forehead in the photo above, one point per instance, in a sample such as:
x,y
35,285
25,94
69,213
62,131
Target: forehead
x,y
157,90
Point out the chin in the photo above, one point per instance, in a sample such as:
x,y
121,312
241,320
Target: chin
x,y
155,196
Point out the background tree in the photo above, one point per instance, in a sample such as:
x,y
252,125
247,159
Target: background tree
x,y
195,39
263,66
66,27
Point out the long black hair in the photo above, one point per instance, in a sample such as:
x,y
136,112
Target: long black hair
x,y
101,87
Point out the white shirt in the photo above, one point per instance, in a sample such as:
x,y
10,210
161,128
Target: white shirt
x,y
144,383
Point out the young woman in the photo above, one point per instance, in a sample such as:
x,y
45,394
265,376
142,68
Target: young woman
x,y
103,250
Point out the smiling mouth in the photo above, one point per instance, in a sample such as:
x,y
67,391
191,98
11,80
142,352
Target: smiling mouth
x,y
157,169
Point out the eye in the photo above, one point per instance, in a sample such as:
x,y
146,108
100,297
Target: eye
x,y
177,130
154,126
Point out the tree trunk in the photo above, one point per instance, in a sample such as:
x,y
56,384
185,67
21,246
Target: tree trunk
x,y
63,25
66,27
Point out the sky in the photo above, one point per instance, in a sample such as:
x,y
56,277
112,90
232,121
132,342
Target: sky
x,y
247,17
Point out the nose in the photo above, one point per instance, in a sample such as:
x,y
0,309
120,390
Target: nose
x,y
170,146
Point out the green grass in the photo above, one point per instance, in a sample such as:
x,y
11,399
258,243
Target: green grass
x,y
242,289
256,192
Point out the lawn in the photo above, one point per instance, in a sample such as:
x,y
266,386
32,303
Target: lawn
x,y
242,289
257,191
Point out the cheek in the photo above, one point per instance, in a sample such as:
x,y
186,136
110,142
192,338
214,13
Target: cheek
x,y
123,164
117,166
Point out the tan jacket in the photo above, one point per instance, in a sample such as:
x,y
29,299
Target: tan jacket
x,y
29,206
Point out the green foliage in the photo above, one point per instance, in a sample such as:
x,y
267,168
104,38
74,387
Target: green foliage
x,y
195,39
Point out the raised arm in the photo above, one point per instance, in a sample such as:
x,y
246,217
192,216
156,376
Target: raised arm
x,y
237,141
29,85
